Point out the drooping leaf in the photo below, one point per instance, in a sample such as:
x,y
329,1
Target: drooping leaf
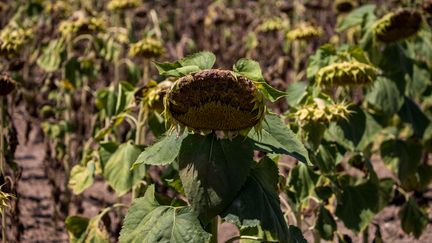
x,y
296,92
252,70
357,17
257,204
385,96
302,181
277,138
213,171
192,63
81,177
402,156
106,149
76,225
357,205
325,224
147,221
162,152
83,230
413,219
356,133
117,168
412,114
52,55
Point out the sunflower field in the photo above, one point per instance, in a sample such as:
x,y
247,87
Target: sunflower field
x,y
216,121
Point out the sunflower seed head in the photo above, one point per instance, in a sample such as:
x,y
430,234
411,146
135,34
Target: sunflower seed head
x,y
397,26
118,5
79,24
7,84
349,73
215,100
344,6
322,113
13,39
147,47
305,32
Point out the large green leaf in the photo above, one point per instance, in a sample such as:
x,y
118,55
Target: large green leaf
x,y
403,157
252,70
296,92
147,221
385,96
192,63
277,138
84,230
302,181
162,152
411,113
117,169
358,204
356,17
213,171
413,219
257,204
81,177
356,133
325,224
52,55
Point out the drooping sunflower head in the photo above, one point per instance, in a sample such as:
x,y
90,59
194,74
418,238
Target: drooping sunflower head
x,y
7,84
304,32
148,47
153,94
114,5
80,23
215,100
273,24
397,25
348,73
321,111
4,200
13,39
344,6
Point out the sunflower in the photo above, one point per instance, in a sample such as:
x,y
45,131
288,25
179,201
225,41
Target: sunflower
x,y
7,84
305,32
148,47
397,26
122,4
215,100
344,6
348,73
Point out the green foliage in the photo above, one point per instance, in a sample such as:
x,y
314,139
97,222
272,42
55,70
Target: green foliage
x,y
149,221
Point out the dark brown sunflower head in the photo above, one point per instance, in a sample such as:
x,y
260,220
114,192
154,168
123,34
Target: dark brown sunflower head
x,y
344,6
215,100
7,84
397,25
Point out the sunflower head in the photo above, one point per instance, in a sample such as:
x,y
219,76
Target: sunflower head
x,y
79,24
215,100
344,6
397,26
7,84
12,40
320,111
349,73
116,5
153,94
304,32
272,24
4,200
147,48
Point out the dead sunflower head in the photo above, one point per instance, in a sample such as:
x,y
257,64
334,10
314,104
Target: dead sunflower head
x,y
80,23
320,111
344,6
7,84
153,94
273,24
397,25
13,39
114,5
349,73
147,47
215,100
304,32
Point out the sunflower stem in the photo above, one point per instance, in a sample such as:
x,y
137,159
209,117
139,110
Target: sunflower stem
x,y
1,137
214,229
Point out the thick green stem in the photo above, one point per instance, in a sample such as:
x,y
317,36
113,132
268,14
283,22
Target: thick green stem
x,y
140,129
214,229
145,77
